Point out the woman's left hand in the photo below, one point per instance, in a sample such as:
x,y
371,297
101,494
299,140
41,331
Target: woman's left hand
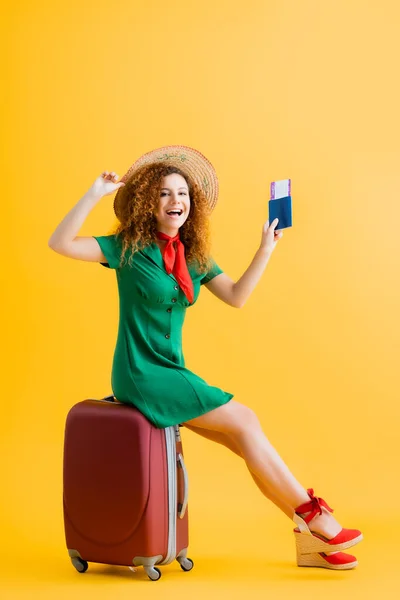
x,y
270,237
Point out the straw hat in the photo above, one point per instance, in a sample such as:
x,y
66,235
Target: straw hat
x,y
189,160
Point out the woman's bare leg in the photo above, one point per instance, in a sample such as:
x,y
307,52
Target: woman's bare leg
x,y
228,442
241,424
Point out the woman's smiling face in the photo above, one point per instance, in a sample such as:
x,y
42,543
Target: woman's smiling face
x,y
174,204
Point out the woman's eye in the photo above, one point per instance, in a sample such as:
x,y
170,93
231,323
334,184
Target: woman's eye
x,y
164,193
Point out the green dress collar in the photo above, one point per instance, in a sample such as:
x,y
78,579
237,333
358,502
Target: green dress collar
x,y
153,252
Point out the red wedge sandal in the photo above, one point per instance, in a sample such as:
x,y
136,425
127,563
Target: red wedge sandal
x,y
339,561
308,542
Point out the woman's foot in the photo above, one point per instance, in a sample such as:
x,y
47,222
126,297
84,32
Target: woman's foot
x,y
313,517
325,524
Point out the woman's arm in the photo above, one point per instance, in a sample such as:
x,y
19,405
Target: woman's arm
x,y
237,294
64,239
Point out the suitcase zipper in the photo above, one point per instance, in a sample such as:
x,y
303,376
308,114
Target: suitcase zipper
x,y
172,501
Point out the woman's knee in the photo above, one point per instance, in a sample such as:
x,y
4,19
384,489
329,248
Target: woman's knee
x,y
245,417
247,422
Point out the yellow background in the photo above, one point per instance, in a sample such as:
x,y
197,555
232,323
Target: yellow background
x,y
266,90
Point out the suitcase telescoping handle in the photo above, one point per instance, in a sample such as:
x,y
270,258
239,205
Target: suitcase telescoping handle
x,y
182,507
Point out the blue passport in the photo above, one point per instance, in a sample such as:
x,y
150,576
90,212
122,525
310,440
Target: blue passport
x,y
281,208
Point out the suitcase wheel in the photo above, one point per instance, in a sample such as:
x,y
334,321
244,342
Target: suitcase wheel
x,y
153,573
79,564
186,564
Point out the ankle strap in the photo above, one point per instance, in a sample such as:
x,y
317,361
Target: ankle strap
x,y
314,505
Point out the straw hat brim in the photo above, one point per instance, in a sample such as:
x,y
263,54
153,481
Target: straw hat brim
x,y
189,160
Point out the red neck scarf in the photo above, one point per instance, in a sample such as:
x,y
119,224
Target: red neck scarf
x,y
175,262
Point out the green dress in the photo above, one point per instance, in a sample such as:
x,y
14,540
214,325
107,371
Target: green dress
x,y
148,369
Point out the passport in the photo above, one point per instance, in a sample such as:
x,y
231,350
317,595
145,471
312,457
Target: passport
x,y
280,203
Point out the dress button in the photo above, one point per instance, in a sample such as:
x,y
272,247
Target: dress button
x,y
176,287
169,309
173,299
167,336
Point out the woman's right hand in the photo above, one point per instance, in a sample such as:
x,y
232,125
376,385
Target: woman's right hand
x,y
105,184
270,236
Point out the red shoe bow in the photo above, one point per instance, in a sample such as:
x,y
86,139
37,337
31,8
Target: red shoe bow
x,y
314,505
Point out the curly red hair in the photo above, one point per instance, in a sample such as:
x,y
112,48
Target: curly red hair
x,y
137,201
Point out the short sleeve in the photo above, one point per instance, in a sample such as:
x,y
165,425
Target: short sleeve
x,y
211,273
111,247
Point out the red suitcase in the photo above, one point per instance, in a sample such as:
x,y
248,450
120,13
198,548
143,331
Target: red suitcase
x,y
125,489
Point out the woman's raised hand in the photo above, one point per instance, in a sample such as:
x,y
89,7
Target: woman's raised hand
x,y
106,184
270,237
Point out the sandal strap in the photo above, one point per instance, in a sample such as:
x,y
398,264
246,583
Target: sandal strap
x,y
314,505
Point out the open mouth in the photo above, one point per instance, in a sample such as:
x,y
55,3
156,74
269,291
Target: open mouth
x,y
174,213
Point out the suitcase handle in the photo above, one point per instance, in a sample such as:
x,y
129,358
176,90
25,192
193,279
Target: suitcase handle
x,y
182,507
109,399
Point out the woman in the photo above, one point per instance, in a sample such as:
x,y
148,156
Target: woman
x,y
160,251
